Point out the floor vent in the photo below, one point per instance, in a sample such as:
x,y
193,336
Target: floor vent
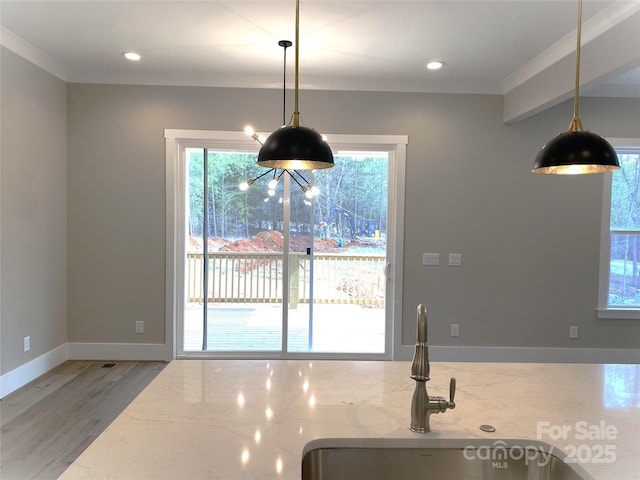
x,y
108,365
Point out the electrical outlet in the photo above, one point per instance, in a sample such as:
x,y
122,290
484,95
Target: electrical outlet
x,y
139,326
573,331
27,344
455,330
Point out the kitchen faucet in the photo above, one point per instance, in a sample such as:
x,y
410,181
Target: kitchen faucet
x,y
422,405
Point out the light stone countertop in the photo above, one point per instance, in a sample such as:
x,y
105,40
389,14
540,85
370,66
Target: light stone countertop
x,y
243,419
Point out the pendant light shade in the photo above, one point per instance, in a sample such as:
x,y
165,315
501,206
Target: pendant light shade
x,y
576,151
295,148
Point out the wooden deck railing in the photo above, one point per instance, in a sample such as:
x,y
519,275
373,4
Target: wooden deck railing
x,y
257,278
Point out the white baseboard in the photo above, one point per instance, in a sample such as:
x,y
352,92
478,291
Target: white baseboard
x,y
525,354
120,351
19,377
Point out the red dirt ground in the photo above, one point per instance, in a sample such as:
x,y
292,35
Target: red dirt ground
x,y
268,241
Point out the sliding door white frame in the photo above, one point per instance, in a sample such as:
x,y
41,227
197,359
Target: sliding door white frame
x,y
178,140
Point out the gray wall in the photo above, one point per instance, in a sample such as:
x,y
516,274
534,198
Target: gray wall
x,y
530,243
33,300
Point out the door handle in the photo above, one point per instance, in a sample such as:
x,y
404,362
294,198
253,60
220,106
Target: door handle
x,y
387,271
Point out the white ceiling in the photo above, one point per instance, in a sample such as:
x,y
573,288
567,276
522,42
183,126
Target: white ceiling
x,y
522,49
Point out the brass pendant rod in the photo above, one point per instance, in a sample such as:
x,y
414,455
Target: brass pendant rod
x,y
296,113
576,124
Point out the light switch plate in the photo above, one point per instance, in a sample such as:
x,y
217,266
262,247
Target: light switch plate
x,y
430,259
455,259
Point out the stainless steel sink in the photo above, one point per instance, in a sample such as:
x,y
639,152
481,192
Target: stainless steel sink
x,y
441,459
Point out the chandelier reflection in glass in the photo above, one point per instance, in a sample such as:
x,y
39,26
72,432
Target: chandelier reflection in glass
x,y
309,189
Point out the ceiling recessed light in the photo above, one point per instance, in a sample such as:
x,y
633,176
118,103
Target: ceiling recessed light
x,y
133,56
435,65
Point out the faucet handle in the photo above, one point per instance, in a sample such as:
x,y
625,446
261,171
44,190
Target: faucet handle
x,y
452,392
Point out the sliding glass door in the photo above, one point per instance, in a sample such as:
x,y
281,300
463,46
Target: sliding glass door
x,y
341,280
271,271
234,244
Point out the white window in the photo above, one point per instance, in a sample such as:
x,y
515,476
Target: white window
x,y
619,295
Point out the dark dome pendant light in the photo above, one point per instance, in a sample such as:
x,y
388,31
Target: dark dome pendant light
x,y
295,147
576,151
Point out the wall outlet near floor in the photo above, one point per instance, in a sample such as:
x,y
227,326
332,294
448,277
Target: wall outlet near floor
x,y
27,344
573,331
139,326
455,330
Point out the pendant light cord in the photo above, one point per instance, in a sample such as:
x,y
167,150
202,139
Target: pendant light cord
x,y
576,124
284,44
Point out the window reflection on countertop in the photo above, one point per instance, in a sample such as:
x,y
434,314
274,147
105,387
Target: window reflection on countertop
x,y
621,386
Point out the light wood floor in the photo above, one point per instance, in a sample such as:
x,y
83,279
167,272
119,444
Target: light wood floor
x,y
48,423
